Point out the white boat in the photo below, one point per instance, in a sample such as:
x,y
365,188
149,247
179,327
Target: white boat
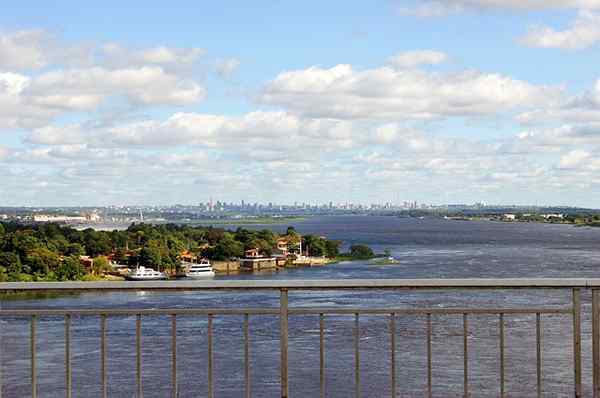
x,y
145,274
200,270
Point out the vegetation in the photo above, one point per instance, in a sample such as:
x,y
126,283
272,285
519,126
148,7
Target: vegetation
x,y
51,252
358,252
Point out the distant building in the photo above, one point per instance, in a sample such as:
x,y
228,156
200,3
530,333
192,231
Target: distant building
x,y
60,218
509,217
553,215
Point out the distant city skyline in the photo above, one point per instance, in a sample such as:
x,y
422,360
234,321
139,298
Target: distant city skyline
x,y
454,101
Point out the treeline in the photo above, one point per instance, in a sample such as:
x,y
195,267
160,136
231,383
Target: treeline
x,y
53,252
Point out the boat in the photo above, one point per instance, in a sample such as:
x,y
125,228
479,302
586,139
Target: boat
x,y
145,274
200,270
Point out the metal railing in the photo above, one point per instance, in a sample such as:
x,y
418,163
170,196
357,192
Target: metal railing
x,y
284,311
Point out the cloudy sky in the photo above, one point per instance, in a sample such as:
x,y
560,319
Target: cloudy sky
x,y
148,102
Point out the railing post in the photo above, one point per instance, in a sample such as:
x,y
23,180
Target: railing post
x,y
247,392
103,374
210,355
283,307
465,356
538,340
138,355
501,348
577,341
429,376
322,354
68,354
596,341
174,392
357,355
393,352
33,365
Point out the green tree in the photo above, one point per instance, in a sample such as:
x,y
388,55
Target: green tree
x,y
70,269
11,263
227,248
332,248
361,252
42,261
100,265
74,249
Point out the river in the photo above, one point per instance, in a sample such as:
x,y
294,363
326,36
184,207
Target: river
x,y
426,248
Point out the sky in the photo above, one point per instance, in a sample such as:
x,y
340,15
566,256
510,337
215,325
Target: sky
x,y
153,102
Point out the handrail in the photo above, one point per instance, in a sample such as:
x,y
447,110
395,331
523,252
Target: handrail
x,y
307,284
284,311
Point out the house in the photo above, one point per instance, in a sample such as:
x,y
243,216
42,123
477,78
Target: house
x,y
509,217
254,261
282,247
87,262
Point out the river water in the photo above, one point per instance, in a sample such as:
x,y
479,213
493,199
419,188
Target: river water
x,y
428,248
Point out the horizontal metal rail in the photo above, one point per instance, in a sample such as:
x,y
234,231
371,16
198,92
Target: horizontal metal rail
x,y
502,283
284,311
291,311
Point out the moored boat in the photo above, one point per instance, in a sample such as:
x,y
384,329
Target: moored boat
x,y
200,270
145,274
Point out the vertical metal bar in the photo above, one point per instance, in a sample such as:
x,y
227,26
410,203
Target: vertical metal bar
x,y
429,384
501,326
33,365
393,352
283,307
357,355
1,356
577,341
322,354
103,355
210,356
138,354
246,356
68,354
596,341
538,339
465,356
174,356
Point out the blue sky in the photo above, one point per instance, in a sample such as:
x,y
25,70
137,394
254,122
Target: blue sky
x,y
154,102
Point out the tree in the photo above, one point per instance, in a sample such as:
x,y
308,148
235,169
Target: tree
x,y
75,249
70,269
332,248
11,263
228,248
96,243
152,254
100,265
314,245
42,261
361,252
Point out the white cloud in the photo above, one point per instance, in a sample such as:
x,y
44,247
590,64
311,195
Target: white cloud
x,y
34,101
226,67
4,152
35,49
251,134
345,93
584,32
117,56
411,59
82,89
574,158
433,8
579,109
23,50
82,78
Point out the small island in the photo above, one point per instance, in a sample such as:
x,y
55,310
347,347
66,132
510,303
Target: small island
x,y
53,252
